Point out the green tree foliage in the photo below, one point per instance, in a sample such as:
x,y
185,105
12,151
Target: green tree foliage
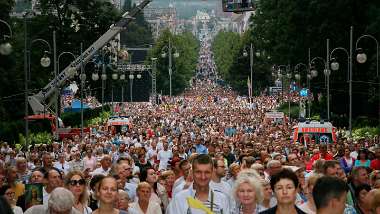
x,y
183,67
286,29
75,22
234,67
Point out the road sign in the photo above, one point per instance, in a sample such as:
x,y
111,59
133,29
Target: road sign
x,y
304,92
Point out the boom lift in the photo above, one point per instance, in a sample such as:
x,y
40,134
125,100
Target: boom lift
x,y
38,102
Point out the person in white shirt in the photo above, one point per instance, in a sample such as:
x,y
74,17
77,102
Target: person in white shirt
x,y
164,157
89,162
218,173
54,179
144,205
105,166
200,193
62,164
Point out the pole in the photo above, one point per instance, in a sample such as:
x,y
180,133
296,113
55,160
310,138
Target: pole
x,y
56,86
103,81
350,80
26,83
309,87
131,88
81,92
251,67
170,67
122,92
328,78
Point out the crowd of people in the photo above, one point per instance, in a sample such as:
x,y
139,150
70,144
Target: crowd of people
x,y
206,151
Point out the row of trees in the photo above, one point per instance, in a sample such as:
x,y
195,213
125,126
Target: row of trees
x,y
183,67
283,31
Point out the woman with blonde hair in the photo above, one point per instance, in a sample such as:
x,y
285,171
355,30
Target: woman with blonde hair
x,y
76,183
248,192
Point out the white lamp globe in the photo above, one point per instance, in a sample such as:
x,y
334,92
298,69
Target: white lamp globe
x,y
138,76
289,75
95,76
6,48
176,55
335,66
115,76
163,55
297,76
314,73
45,61
131,77
104,76
122,76
361,58
245,54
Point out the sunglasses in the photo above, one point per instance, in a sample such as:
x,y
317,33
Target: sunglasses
x,y
76,182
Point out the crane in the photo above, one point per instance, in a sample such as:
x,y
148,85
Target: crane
x,y
38,102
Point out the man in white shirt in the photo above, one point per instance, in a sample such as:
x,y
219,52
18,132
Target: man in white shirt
x,y
200,192
105,167
54,179
218,173
62,164
164,157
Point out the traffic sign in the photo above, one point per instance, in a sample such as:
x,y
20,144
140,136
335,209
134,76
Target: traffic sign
x,y
304,92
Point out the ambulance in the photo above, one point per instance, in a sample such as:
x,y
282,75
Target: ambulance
x,y
314,132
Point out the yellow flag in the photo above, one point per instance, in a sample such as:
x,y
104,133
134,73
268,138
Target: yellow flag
x,y
194,203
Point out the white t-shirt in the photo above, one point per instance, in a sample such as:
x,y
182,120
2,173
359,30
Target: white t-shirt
x,y
164,156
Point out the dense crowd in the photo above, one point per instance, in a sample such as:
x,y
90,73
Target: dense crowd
x,y
206,151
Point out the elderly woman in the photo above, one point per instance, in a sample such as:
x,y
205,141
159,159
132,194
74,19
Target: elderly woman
x,y
123,202
284,185
61,200
248,192
144,205
269,200
76,183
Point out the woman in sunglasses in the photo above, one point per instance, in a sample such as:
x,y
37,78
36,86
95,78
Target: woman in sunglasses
x,y
76,183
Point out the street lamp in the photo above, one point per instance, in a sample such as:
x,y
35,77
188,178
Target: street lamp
x,y
176,55
6,48
361,57
245,54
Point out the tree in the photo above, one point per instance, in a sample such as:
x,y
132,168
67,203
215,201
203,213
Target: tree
x,y
183,66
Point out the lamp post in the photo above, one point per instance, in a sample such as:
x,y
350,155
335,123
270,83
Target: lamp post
x,y
297,76
326,71
176,55
245,54
58,99
6,48
45,62
281,76
361,58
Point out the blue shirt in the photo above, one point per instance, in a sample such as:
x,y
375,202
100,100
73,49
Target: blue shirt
x,y
200,149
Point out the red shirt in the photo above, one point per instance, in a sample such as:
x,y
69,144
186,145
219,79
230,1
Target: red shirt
x,y
327,156
375,164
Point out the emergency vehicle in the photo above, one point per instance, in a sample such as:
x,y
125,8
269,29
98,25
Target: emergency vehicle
x,y
314,132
